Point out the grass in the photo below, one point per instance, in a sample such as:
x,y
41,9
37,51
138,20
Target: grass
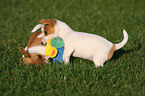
x,y
123,75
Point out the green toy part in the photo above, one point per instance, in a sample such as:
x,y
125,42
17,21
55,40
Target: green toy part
x,y
57,42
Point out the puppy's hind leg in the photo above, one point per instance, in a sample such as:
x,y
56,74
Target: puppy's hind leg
x,y
99,59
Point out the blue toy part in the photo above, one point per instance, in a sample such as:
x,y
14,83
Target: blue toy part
x,y
59,57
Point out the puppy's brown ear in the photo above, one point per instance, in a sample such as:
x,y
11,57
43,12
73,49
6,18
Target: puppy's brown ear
x,y
50,22
22,50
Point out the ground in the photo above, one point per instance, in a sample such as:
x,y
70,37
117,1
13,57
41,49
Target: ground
x,y
123,75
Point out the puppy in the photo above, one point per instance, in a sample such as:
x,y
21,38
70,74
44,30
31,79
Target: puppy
x,y
79,44
34,52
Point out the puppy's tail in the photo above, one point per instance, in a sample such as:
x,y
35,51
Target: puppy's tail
x,y
124,41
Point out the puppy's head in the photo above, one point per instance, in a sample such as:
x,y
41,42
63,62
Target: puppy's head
x,y
35,58
49,29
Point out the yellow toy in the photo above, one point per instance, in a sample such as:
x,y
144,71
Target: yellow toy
x,y
50,50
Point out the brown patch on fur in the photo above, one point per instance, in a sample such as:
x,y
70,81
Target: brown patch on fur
x,y
110,54
49,26
48,30
34,40
32,58
50,22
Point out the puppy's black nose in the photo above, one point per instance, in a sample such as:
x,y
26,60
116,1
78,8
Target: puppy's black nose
x,y
42,43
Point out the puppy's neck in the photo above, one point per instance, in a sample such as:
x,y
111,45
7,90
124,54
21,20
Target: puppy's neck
x,y
63,29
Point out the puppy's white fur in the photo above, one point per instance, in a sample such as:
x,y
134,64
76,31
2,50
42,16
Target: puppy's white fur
x,y
84,45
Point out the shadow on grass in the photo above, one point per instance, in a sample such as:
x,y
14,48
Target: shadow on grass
x,y
74,60
120,52
117,54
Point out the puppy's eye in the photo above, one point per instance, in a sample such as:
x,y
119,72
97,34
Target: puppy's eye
x,y
40,56
47,24
45,32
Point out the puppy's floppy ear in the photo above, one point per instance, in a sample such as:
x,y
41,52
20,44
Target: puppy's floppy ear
x,y
50,22
37,27
32,37
22,50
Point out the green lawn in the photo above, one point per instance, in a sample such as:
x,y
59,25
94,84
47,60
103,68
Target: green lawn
x,y
123,75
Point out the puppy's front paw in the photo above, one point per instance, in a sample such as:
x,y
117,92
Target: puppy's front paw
x,y
99,65
66,62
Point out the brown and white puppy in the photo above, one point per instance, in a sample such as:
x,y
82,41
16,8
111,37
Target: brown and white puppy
x,y
34,52
81,44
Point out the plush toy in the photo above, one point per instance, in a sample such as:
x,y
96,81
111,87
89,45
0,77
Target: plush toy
x,y
50,50
54,49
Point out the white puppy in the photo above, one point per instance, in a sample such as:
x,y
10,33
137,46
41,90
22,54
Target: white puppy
x,y
83,45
